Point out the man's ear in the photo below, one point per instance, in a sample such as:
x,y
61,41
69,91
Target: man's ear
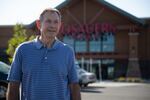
x,y
38,24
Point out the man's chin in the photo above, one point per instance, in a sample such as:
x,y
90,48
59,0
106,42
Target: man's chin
x,y
50,35
51,32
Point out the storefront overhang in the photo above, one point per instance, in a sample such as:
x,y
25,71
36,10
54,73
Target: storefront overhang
x,y
105,55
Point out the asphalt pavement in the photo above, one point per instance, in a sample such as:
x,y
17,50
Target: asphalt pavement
x,y
107,90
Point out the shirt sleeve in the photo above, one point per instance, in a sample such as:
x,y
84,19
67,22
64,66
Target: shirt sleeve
x,y
15,73
73,78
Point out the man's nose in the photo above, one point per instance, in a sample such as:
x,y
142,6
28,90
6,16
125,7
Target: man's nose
x,y
52,25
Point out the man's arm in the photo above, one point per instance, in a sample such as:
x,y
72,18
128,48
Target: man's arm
x,y
13,91
75,91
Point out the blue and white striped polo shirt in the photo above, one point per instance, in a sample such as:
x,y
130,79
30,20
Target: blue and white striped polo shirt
x,y
44,73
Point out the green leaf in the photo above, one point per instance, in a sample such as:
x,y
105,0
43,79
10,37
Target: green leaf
x,y
19,36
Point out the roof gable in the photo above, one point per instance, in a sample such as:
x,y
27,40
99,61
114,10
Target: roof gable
x,y
109,6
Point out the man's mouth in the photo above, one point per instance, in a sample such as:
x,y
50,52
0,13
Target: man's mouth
x,y
52,30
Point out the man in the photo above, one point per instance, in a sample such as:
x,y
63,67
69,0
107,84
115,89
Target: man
x,y
44,69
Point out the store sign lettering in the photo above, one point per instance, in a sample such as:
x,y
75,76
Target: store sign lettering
x,y
87,28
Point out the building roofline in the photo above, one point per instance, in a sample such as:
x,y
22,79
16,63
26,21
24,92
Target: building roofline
x,y
63,4
139,21
6,26
122,12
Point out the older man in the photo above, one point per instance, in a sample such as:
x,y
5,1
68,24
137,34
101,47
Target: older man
x,y
44,69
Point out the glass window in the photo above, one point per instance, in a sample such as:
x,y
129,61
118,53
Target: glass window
x,y
80,46
95,46
69,40
108,43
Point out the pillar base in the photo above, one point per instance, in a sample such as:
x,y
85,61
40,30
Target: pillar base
x,y
133,68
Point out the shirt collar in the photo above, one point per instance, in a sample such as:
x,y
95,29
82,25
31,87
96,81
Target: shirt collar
x,y
40,45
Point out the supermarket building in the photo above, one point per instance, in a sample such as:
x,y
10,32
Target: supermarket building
x,y
107,40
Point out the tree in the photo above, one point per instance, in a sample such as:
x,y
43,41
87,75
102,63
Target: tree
x,y
19,36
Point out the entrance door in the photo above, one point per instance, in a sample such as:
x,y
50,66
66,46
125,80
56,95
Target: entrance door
x,y
104,68
107,71
95,69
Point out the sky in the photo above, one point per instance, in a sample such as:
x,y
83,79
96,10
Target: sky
x,y
26,11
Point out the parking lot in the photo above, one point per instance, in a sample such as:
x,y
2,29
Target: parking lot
x,y
106,90
116,91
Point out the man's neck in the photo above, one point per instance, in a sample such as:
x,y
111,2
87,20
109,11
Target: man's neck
x,y
47,42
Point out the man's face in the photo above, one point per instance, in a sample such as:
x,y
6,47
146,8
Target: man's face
x,y
50,24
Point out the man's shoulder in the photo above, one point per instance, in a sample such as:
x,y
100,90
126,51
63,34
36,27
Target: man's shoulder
x,y
65,46
26,44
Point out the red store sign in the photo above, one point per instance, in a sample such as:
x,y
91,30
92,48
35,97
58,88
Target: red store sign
x,y
87,28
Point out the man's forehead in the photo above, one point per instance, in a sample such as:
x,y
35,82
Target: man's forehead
x,y
52,13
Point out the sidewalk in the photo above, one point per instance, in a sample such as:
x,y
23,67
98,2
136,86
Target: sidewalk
x,y
113,84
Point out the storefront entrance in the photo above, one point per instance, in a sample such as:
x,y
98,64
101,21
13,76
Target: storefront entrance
x,y
103,69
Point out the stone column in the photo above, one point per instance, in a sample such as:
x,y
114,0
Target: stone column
x,y
133,63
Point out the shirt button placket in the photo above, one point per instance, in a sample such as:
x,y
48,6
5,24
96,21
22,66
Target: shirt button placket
x,y
45,58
